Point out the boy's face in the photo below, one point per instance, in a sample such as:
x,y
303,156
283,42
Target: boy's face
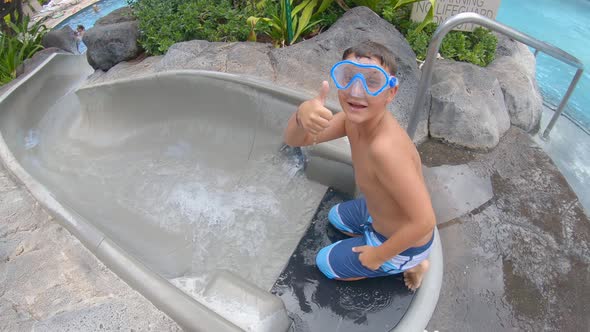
x,y
357,104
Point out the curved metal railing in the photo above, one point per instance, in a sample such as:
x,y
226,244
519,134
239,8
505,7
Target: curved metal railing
x,y
462,18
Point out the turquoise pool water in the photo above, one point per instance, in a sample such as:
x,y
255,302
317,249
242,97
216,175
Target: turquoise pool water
x,y
88,16
565,24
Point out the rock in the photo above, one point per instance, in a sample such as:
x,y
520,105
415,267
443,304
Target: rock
x,y
521,96
467,106
515,69
512,48
64,39
125,70
29,64
124,14
113,40
238,58
111,44
306,64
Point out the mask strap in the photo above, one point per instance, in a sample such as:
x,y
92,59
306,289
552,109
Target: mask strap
x,y
393,82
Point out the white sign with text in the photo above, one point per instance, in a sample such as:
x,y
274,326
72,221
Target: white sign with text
x,y
447,8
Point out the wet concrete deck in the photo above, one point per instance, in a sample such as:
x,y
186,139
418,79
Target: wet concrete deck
x,y
568,147
50,282
521,261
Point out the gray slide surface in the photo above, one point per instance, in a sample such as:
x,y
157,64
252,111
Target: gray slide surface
x,y
178,178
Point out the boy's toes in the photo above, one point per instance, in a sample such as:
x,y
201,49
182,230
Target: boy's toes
x,y
411,282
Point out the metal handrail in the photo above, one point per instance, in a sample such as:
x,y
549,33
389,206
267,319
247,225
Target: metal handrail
x,y
462,18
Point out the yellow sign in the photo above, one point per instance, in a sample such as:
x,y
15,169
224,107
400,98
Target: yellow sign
x,y
447,8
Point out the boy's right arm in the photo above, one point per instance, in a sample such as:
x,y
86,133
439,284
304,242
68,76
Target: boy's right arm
x,y
313,123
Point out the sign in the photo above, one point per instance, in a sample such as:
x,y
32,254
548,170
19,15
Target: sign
x,y
447,8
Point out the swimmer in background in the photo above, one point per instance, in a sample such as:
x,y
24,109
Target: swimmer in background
x,y
79,34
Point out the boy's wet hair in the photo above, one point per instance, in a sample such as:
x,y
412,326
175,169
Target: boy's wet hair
x,y
370,49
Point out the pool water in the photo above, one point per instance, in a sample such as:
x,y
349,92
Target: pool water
x,y
565,24
88,16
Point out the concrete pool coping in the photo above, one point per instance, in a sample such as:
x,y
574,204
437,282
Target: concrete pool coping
x,y
182,308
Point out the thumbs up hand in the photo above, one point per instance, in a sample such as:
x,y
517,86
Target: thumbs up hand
x,y
312,115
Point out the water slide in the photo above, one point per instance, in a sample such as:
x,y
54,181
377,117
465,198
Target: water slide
x,y
180,183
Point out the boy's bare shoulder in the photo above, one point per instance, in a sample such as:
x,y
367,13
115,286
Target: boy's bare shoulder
x,y
392,145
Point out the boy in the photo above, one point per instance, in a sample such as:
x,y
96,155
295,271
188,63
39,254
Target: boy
x,y
391,228
80,32
79,35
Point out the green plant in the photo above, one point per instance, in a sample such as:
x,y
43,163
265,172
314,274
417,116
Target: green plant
x,y
419,39
22,43
164,23
375,5
390,9
303,18
477,47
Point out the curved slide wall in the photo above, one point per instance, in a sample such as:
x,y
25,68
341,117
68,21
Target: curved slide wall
x,y
176,177
184,171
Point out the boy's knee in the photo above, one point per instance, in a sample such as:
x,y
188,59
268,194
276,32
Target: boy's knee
x,y
336,220
322,260
333,214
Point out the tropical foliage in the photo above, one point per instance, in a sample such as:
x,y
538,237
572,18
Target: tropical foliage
x,y
477,47
292,21
285,22
164,23
17,45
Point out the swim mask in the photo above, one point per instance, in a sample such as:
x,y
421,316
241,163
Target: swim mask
x,y
373,78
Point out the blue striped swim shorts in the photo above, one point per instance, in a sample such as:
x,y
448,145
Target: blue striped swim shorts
x,y
338,261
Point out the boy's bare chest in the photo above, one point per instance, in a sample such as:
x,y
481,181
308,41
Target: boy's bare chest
x,y
364,172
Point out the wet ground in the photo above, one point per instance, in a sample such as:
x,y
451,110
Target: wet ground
x,y
568,147
521,261
50,282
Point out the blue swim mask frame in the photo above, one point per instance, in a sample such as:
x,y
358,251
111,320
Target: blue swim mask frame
x,y
374,88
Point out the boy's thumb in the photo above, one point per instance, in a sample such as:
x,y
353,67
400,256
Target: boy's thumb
x,y
324,92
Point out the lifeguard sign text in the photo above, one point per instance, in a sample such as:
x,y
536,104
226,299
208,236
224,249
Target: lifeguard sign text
x,y
447,8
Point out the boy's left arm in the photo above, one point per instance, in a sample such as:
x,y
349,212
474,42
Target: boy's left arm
x,y
404,184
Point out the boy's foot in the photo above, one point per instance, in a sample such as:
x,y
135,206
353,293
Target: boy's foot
x,y
413,276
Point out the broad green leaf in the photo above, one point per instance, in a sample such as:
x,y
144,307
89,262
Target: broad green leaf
x,y
429,16
301,6
303,21
323,6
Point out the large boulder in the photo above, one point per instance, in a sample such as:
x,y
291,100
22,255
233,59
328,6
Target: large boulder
x,y
124,14
110,43
64,39
238,58
467,107
512,48
521,96
305,65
